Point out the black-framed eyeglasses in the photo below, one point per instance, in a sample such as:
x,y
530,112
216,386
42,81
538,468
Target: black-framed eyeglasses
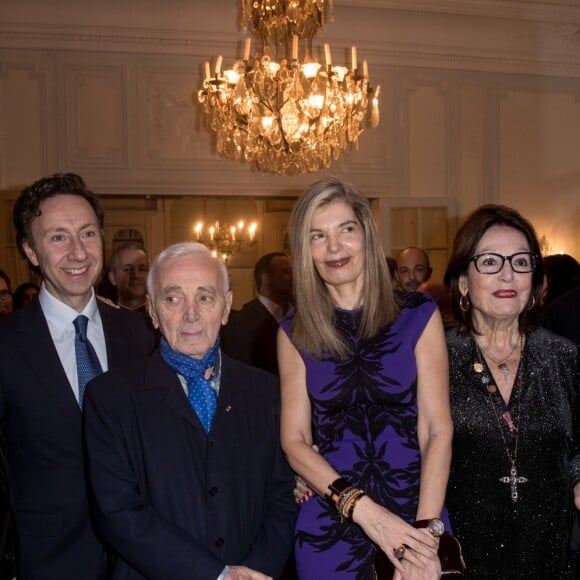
x,y
490,263
4,294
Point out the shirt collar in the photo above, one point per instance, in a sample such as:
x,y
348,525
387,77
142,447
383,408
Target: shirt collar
x,y
274,309
59,315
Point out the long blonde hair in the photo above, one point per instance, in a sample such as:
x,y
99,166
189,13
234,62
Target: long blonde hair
x,y
313,329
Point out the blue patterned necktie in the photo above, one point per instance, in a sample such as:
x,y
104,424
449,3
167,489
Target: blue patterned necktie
x,y
200,393
88,365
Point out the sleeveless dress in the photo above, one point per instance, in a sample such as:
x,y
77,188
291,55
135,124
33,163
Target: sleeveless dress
x,y
364,413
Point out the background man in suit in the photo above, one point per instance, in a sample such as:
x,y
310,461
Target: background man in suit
x,y
250,335
59,230
189,479
5,295
413,269
128,274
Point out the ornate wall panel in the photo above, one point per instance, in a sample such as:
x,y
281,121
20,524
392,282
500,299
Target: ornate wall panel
x,y
170,134
96,115
26,118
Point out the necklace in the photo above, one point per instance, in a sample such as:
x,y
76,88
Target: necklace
x,y
502,365
513,479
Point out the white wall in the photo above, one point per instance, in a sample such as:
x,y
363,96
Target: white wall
x,y
480,102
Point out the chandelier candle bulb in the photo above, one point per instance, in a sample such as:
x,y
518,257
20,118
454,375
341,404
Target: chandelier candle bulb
x,y
207,71
218,65
327,54
294,47
247,47
354,59
365,69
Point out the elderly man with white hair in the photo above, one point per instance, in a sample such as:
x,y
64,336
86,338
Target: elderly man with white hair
x,y
184,456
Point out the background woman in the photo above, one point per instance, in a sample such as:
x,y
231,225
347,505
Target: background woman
x,y
369,371
513,397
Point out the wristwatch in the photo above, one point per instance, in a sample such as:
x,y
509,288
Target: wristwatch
x,y
435,526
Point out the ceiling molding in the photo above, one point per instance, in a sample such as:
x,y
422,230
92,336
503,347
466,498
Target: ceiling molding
x,y
527,10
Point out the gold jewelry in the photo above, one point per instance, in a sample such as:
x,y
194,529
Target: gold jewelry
x,y
347,502
502,365
464,306
335,490
352,504
400,551
530,306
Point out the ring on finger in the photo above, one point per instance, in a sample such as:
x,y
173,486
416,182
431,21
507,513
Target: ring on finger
x,y
400,551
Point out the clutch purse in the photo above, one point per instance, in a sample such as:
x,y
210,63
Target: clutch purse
x,y
450,556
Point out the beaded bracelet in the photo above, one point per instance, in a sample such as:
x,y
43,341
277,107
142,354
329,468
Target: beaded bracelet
x,y
344,500
347,507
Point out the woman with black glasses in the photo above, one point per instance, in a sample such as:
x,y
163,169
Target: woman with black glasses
x,y
515,474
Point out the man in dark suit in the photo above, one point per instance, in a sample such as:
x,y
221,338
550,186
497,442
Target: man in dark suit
x,y
59,229
250,335
189,479
128,274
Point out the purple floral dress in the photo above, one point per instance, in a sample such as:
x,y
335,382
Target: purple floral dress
x,y
364,413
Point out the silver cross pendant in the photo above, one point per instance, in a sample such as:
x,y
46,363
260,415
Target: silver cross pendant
x,y
513,479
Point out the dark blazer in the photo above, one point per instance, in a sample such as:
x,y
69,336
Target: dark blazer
x,y
563,315
173,502
42,426
250,336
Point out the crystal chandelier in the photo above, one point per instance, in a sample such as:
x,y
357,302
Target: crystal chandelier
x,y
224,240
287,116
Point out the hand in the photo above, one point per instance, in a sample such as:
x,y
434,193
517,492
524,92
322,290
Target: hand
x,y
244,573
302,492
108,301
389,532
431,570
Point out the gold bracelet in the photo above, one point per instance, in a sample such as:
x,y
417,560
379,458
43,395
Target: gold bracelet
x,y
346,507
353,503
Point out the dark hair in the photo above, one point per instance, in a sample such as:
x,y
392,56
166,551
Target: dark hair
x,y
264,266
27,206
464,247
562,274
6,279
18,296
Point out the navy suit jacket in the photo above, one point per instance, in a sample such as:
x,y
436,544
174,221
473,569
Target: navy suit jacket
x,y
42,425
250,336
177,503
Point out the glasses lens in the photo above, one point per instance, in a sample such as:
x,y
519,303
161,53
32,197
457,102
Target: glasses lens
x,y
489,263
523,262
4,293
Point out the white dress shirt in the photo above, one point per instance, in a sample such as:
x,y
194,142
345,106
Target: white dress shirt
x,y
60,318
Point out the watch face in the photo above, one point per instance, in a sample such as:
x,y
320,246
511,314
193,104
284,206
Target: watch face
x,y
436,527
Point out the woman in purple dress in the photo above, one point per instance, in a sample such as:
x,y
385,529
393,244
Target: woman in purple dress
x,y
364,377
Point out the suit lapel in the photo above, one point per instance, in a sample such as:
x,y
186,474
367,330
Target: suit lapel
x,y
39,353
159,376
116,341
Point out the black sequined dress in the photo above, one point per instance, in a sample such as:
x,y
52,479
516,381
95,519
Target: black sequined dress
x,y
528,538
